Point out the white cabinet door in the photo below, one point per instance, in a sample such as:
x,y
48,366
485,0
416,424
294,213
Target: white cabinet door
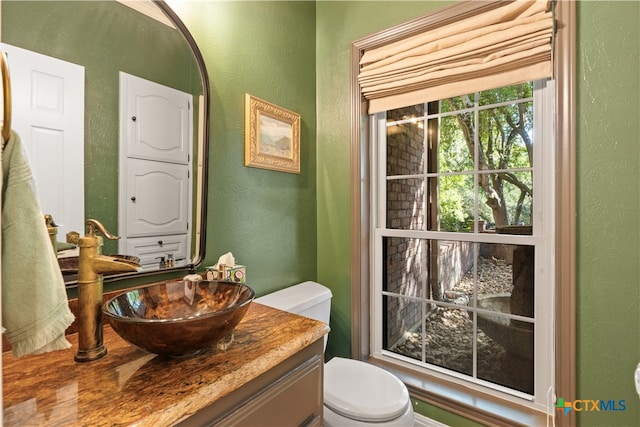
x,y
156,131
157,198
48,114
155,119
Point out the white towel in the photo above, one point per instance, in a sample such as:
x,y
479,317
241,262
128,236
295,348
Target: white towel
x,y
35,310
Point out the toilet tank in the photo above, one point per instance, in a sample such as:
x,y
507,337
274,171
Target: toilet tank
x,y
309,299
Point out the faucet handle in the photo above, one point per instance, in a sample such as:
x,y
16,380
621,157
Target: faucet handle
x,y
93,226
72,237
48,220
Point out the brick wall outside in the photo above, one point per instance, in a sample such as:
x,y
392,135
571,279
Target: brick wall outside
x,y
406,259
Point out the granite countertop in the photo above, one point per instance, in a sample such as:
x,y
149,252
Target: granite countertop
x,y
129,386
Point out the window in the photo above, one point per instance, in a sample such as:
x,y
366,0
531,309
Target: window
x,y
447,391
462,267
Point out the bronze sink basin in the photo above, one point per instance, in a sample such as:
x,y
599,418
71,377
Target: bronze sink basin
x,y
180,318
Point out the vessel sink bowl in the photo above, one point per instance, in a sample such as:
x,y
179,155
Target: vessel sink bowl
x,y
178,318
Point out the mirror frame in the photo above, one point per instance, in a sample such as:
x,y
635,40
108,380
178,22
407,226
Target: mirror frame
x,y
201,210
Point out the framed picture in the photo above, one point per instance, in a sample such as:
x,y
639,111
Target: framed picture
x,y
272,136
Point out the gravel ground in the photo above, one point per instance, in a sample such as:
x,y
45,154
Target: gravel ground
x,y
449,340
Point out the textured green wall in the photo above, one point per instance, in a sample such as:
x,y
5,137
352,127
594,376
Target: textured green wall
x,y
105,37
266,218
608,271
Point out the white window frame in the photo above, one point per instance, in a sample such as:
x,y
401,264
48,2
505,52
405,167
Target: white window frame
x,y
542,238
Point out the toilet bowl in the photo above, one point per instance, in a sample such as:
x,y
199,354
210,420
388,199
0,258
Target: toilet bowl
x,y
355,393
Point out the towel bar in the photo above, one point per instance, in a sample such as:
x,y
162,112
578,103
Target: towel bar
x,y
6,98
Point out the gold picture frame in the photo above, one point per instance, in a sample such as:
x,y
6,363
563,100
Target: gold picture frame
x,y
272,136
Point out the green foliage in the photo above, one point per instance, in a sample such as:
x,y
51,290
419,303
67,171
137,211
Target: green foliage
x,y
456,202
504,132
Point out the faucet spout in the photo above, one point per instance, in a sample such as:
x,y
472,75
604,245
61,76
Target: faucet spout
x,y
104,264
91,266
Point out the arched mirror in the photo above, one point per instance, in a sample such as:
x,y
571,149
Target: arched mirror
x,y
134,156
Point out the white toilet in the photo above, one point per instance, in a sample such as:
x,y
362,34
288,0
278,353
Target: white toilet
x,y
355,393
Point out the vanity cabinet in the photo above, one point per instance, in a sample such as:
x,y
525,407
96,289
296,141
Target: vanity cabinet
x,y
270,375
289,394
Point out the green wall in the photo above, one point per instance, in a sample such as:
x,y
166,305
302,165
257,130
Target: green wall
x,y
266,218
608,275
105,37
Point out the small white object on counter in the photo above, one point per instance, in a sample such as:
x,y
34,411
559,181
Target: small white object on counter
x,y
227,269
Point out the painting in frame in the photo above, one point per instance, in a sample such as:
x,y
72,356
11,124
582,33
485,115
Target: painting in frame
x,y
272,136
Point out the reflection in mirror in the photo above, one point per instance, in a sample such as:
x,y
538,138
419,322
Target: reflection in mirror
x,y
110,47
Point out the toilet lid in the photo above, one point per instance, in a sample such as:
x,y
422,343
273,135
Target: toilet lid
x,y
363,392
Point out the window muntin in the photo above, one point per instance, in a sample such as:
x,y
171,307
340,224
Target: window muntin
x,y
435,205
453,311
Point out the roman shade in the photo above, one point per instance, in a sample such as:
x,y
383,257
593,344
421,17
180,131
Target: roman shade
x,y
506,45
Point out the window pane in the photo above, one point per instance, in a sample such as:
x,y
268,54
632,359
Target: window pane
x,y
493,271
506,136
402,325
405,148
405,204
455,265
455,136
506,199
456,210
449,340
405,267
512,365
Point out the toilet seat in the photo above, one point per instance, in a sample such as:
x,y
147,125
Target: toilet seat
x,y
363,392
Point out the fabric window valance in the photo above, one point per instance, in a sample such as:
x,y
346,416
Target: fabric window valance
x,y
506,45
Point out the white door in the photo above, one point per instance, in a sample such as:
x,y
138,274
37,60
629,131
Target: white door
x,y
155,119
158,198
48,115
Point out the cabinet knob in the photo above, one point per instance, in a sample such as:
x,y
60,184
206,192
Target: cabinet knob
x,y
134,118
133,199
160,242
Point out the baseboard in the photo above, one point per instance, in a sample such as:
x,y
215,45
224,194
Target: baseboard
x,y
422,421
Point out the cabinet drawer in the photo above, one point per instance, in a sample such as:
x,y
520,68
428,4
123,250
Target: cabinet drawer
x,y
150,249
288,395
293,400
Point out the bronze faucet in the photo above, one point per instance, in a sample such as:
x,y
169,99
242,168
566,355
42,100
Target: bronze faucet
x,y
52,229
91,266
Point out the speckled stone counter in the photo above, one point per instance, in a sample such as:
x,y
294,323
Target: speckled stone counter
x,y
131,387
